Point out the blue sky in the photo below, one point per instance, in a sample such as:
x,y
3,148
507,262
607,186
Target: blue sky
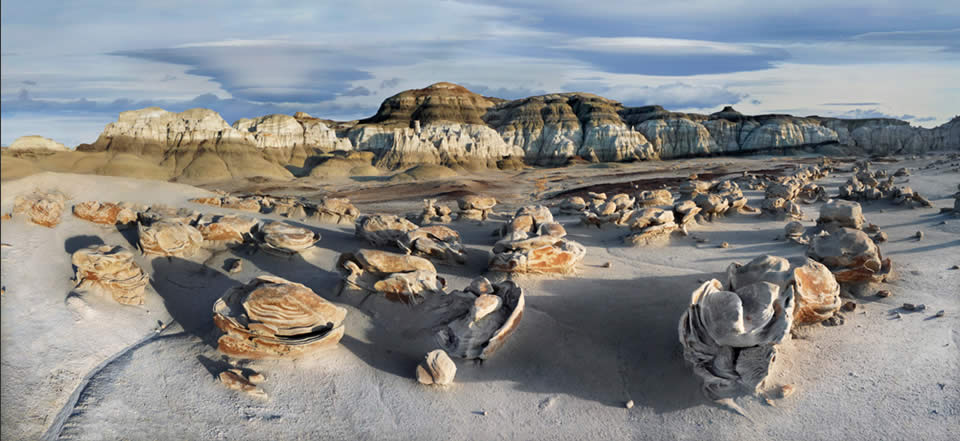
x,y
68,68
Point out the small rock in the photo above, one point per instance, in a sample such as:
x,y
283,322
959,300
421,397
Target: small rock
x,y
786,390
849,306
233,380
880,237
940,313
912,307
607,264
883,293
236,266
437,368
256,378
724,245
897,316
955,267
919,235
629,404
836,320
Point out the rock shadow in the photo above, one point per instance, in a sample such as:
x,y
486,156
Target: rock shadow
x,y
76,243
189,290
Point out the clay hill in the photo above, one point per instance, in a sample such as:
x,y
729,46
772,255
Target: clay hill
x,y
446,124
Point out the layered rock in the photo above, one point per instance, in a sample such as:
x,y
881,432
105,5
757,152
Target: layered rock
x,y
37,144
485,315
40,208
816,291
271,317
105,213
285,239
852,256
435,242
111,270
475,207
226,230
382,229
170,239
544,254
437,368
397,277
433,213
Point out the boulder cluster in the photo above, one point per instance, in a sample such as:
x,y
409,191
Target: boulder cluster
x,y
846,248
324,210
433,213
397,277
533,243
872,185
783,195
715,198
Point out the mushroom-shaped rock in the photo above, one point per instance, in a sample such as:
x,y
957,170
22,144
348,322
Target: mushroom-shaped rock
x,y
851,255
437,368
475,207
433,213
540,254
435,242
271,317
383,229
225,230
285,239
111,270
40,208
841,213
654,198
730,337
169,238
106,213
485,315
398,277
817,293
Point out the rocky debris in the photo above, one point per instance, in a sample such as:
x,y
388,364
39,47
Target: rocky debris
x,y
475,207
210,200
112,270
883,293
233,379
528,221
730,337
485,315
782,193
40,208
334,211
437,368
602,211
716,199
398,277
235,266
226,230
650,225
285,239
685,213
866,185
780,208
914,307
435,242
382,229
852,256
540,254
433,213
838,213
654,198
816,291
157,213
250,203
169,238
573,205
271,317
812,193
106,213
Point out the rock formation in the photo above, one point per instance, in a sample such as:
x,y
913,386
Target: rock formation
x,y
654,198
730,337
398,277
37,143
475,207
111,270
486,314
433,213
816,291
383,229
437,368
271,317
544,254
436,242
840,214
867,185
105,213
650,225
40,208
226,230
285,239
169,238
852,256
528,221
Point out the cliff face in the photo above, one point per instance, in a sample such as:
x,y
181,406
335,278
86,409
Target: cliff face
x,y
446,124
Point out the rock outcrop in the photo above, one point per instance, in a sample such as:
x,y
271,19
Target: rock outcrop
x,y
397,277
285,239
271,317
486,314
170,239
105,213
111,270
37,144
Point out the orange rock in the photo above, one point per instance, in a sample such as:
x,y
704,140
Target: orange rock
x,y
112,270
41,208
106,213
166,238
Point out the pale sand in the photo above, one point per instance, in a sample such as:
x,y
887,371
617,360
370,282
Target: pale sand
x,y
586,344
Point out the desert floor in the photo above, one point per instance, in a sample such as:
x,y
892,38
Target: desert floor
x,y
84,367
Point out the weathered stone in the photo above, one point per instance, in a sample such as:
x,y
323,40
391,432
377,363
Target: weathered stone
x,y
841,213
286,239
235,381
106,213
335,211
573,205
485,315
382,229
435,242
540,254
169,238
730,337
226,230
526,222
271,317
475,207
654,198
437,368
817,293
111,270
397,277
40,208
433,213
851,255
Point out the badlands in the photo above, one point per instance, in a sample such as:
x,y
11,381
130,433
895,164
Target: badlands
x,y
464,267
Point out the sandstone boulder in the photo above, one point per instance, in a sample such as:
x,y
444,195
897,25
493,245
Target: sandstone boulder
x,y
540,254
475,207
433,213
486,314
851,255
398,277
105,213
40,208
817,293
271,317
226,230
285,239
111,270
335,211
526,222
649,226
382,229
730,337
435,242
685,212
169,238
839,213
437,368
573,205
654,198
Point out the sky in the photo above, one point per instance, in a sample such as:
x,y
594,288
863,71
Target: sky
x,y
68,68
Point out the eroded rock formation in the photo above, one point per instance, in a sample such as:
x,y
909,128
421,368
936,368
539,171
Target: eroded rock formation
x,y
383,229
397,277
285,239
486,315
105,213
169,238
111,270
40,208
437,368
435,242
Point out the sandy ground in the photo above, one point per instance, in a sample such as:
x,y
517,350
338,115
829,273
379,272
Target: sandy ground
x,y
83,367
